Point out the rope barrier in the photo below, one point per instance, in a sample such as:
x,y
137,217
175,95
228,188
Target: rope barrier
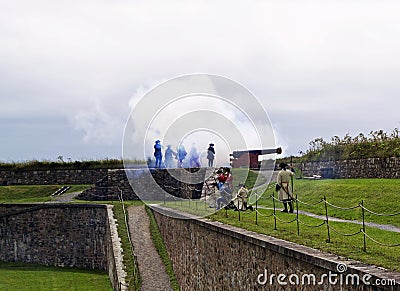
x,y
379,214
310,204
377,242
338,207
272,214
344,234
283,221
256,196
312,226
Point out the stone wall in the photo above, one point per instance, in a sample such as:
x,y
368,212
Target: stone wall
x,y
177,182
64,235
51,177
209,255
362,168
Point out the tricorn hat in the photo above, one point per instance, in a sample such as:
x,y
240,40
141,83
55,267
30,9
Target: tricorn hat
x,y
283,165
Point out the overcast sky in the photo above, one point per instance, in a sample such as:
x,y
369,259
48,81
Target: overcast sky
x,y
70,71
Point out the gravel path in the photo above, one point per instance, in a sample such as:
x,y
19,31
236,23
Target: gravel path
x,y
151,268
67,197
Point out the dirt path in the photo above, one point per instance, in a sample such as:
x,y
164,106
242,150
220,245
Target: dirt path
x,y
151,268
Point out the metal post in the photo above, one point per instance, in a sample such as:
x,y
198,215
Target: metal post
x,y
363,225
256,210
205,199
273,201
297,216
238,209
327,220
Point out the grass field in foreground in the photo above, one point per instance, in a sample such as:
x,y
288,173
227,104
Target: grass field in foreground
x,y
18,276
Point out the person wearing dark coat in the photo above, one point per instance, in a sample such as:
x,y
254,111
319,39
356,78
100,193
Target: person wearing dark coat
x,y
210,154
158,153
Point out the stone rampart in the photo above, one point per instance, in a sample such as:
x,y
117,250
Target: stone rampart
x,y
362,168
51,177
209,255
180,182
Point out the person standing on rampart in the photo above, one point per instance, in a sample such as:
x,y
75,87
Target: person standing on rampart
x,y
180,155
158,153
169,157
210,154
284,189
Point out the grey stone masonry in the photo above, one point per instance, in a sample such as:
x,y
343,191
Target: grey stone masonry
x,y
180,182
362,168
209,255
51,177
71,235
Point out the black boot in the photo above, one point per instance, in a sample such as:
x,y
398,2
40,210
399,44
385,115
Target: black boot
x,y
291,207
285,207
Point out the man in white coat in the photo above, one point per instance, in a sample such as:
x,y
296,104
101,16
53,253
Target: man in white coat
x,y
285,191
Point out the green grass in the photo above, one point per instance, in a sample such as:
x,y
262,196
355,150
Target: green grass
x,y
32,193
162,250
316,237
28,193
379,195
19,276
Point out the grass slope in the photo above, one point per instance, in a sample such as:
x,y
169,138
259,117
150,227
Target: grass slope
x,y
32,193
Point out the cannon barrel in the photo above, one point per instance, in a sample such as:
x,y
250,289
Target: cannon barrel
x,y
249,158
237,154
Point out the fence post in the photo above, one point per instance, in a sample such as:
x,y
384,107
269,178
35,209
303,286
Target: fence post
x,y
205,199
238,209
297,216
273,201
256,209
363,225
327,220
